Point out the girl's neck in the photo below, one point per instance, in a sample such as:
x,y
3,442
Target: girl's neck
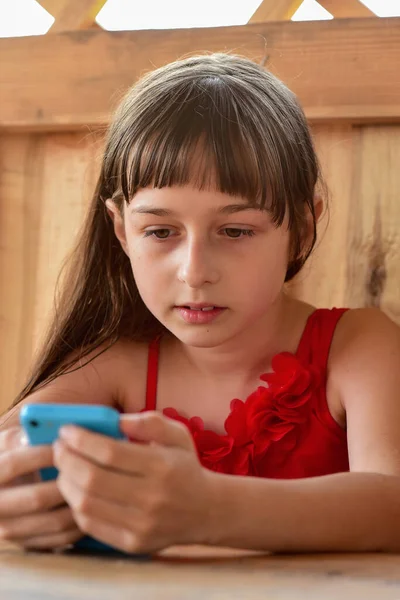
x,y
249,354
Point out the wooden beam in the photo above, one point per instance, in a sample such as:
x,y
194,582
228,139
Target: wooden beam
x,y
342,69
71,15
344,9
274,10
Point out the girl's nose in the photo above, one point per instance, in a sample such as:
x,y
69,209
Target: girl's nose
x,y
197,265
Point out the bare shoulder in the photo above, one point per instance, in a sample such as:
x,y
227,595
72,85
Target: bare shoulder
x,y
128,373
120,369
113,375
367,331
365,349
365,370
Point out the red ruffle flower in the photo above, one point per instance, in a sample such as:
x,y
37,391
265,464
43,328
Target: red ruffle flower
x,y
265,422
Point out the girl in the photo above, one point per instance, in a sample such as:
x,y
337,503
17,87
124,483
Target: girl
x,y
256,421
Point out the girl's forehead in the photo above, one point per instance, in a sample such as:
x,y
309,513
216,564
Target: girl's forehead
x,y
187,203
186,197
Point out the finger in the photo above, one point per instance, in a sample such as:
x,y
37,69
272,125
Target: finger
x,y
23,480
102,519
27,499
56,521
12,438
55,541
22,461
83,503
117,455
117,537
93,479
152,426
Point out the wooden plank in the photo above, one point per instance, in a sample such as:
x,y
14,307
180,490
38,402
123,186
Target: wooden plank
x,y
361,228
271,10
344,9
71,15
373,242
45,182
321,286
20,159
342,70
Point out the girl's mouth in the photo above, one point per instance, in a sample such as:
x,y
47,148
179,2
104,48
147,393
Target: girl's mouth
x,y
200,314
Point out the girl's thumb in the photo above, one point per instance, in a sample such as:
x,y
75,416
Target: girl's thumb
x,y
152,426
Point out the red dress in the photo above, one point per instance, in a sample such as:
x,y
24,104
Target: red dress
x,y
282,431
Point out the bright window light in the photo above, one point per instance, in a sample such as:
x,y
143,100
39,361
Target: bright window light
x,y
171,14
23,17
28,17
383,8
310,10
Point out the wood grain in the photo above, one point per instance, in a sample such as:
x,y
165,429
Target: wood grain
x,y
340,69
45,182
373,277
356,262
323,279
212,574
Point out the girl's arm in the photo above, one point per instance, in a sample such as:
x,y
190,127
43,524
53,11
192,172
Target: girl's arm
x,y
352,511
334,513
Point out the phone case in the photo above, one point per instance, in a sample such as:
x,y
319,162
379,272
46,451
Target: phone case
x,y
41,423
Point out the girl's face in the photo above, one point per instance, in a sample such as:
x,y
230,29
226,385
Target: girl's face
x,y
189,247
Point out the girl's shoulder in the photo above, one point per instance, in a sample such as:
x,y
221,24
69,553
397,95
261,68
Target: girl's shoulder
x,y
107,375
116,374
358,326
128,373
365,348
364,371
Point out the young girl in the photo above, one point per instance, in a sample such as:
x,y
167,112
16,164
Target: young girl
x,y
256,421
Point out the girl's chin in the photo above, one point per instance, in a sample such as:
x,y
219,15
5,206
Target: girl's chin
x,y
200,336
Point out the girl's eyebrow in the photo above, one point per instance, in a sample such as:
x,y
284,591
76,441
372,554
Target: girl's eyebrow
x,y
163,212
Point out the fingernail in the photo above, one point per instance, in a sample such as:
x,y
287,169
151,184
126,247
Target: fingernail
x,y
131,417
23,440
67,431
62,549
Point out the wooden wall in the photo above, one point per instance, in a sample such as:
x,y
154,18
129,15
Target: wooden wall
x,y
346,76
45,184
356,262
46,181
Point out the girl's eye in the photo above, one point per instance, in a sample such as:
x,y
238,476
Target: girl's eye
x,y
234,233
160,234
231,232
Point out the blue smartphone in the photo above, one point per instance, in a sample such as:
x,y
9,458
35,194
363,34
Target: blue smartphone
x,y
41,423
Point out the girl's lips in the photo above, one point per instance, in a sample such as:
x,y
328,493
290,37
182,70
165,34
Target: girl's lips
x,y
199,317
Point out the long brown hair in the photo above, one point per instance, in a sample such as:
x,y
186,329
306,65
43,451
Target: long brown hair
x,y
254,139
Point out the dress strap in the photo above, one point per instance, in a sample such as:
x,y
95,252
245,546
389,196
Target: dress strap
x,y
152,373
315,343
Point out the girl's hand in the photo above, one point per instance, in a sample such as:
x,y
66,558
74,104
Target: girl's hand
x,y
137,497
33,514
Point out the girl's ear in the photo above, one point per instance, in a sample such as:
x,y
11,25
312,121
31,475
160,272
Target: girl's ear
x,y
118,222
318,206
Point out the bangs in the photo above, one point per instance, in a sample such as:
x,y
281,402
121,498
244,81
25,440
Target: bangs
x,y
209,136
217,122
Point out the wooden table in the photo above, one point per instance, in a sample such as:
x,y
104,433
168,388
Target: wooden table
x,y
199,574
